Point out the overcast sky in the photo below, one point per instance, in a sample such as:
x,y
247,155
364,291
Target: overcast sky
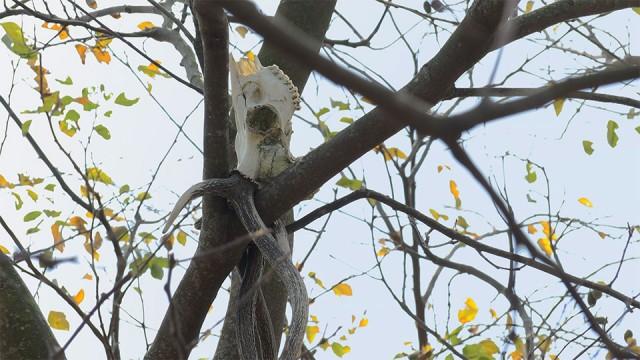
x,y
143,134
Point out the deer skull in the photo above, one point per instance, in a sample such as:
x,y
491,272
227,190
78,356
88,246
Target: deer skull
x,y
264,100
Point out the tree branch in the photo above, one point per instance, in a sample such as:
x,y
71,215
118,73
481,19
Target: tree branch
x,y
505,92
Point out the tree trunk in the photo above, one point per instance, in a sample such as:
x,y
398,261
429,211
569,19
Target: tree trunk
x,y
24,334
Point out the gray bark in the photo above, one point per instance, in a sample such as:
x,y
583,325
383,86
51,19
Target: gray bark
x,y
24,333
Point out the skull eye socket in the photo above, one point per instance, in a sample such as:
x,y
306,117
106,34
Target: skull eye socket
x,y
252,93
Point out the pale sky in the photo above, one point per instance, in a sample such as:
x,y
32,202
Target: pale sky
x,y
142,134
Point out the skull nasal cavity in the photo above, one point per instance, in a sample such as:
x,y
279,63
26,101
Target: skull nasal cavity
x,y
262,118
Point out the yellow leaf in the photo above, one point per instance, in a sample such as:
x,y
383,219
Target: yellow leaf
x,y
394,152
4,183
152,69
517,355
57,237
390,153
426,349
77,222
58,320
363,322
82,51
312,331
96,174
494,314
529,6
77,298
546,229
531,229
339,349
318,282
453,187
103,41
342,289
602,235
489,347
182,237
469,312
383,251
88,277
586,202
101,55
4,250
324,344
314,319
544,343
242,31
557,105
545,245
146,25
121,233
637,10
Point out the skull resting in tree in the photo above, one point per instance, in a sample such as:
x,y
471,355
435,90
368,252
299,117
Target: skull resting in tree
x,y
264,100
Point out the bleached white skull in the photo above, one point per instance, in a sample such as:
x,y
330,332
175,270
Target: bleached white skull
x,y
264,100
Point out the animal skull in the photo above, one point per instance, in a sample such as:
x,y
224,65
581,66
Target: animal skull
x,y
264,100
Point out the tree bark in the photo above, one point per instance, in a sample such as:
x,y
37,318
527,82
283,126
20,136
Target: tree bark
x,y
199,287
205,274
311,17
24,333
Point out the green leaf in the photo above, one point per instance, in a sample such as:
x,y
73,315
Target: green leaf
x,y
143,196
156,271
638,129
353,184
346,120
15,41
18,201
30,216
72,115
96,174
558,104
25,127
147,236
339,349
124,189
108,113
32,194
339,104
52,213
67,81
122,100
33,230
182,237
462,222
531,176
322,111
452,337
587,146
483,350
50,187
612,137
103,131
